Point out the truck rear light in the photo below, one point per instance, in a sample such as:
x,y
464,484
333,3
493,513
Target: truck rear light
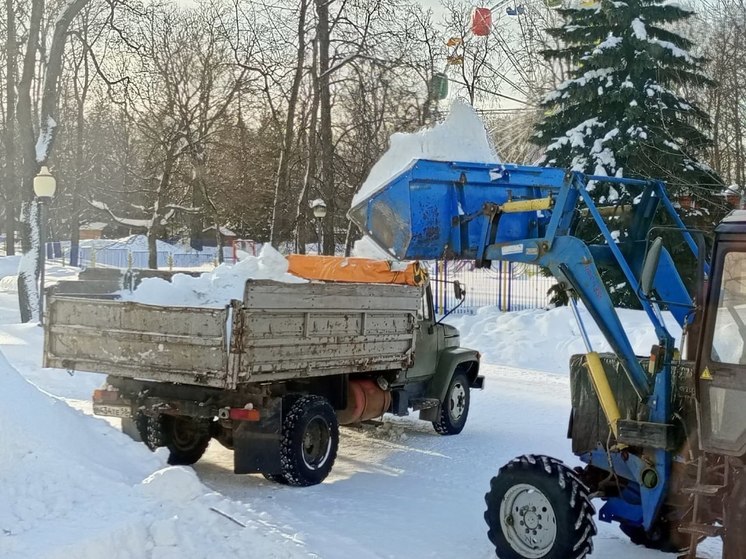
x,y
244,414
104,396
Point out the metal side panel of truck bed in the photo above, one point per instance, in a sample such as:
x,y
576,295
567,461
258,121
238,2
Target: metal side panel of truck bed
x,y
278,332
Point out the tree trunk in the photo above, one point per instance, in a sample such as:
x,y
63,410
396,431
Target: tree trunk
x,y
325,125
28,272
278,227
11,52
301,209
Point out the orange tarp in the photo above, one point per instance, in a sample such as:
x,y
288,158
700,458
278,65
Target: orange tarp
x,y
356,270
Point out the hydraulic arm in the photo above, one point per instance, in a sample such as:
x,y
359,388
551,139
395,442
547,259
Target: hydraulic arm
x,y
486,212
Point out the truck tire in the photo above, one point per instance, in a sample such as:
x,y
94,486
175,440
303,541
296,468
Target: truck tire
x,y
150,430
734,539
454,409
186,438
537,508
310,439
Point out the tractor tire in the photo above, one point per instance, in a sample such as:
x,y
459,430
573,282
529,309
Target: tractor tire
x,y
310,439
454,409
734,539
537,508
664,536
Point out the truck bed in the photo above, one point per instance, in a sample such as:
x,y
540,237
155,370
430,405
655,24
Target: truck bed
x,y
279,331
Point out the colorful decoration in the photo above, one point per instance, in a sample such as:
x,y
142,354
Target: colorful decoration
x,y
481,22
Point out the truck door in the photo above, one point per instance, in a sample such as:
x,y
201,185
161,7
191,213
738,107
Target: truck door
x,y
426,342
722,354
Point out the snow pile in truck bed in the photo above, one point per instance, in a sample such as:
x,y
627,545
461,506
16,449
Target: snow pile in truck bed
x,y
461,137
544,340
215,288
72,486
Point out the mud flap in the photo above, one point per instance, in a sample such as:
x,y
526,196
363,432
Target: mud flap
x,y
257,443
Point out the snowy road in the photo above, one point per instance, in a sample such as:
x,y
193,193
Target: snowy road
x,y
401,491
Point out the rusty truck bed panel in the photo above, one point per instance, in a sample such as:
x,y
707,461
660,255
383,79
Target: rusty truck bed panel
x,y
280,331
171,344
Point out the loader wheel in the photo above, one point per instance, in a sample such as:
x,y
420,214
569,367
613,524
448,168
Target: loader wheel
x,y
664,536
537,508
734,540
310,438
455,408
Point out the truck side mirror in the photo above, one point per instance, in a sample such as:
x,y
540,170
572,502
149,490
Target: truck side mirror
x,y
458,291
650,266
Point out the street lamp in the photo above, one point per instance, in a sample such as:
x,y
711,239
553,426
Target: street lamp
x,y
319,212
45,186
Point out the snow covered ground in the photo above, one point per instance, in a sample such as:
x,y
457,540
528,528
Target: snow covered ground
x,y
72,486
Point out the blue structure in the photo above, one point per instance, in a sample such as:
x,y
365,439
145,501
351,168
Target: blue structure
x,y
485,212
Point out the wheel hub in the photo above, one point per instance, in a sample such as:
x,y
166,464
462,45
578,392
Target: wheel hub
x,y
457,401
528,521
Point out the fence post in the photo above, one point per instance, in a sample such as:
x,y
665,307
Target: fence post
x,y
93,257
170,260
129,260
510,283
445,286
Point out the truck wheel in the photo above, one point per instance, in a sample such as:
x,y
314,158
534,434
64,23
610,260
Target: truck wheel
x,y
186,438
734,540
150,430
310,438
277,478
537,508
455,408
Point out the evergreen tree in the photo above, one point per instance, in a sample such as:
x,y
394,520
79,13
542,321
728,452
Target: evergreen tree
x,y
622,112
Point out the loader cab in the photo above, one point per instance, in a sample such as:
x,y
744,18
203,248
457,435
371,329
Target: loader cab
x,y
721,352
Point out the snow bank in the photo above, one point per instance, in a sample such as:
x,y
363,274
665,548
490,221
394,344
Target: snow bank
x,y
544,340
215,288
74,487
9,266
461,137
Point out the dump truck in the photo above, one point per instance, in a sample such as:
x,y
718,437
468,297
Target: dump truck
x,y
660,438
271,376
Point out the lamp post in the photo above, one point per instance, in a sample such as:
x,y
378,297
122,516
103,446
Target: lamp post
x,y
45,186
319,212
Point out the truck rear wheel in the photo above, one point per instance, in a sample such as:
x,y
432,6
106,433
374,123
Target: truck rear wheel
x,y
310,439
185,437
454,409
537,508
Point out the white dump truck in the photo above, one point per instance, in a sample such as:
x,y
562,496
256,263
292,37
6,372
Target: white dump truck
x,y
273,375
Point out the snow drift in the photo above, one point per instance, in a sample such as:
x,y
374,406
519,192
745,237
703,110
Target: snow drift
x,y
544,340
75,487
